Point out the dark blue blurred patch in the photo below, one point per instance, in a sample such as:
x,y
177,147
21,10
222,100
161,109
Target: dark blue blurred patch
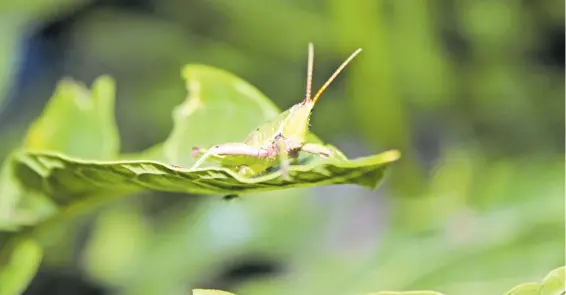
x,y
242,270
61,283
42,55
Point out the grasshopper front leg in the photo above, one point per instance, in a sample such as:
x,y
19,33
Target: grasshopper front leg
x,y
281,150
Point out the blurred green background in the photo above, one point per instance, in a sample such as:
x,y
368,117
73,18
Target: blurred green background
x,y
470,91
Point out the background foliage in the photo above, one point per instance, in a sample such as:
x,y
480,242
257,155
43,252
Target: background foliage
x,y
471,92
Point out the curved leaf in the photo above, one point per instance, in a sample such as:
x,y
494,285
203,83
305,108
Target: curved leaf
x,y
78,122
406,293
210,292
19,259
19,205
553,284
220,108
65,178
525,289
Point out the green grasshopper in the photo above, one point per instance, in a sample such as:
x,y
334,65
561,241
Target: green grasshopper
x,y
277,141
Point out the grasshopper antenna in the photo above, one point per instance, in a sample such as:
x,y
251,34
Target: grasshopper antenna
x,y
342,66
310,67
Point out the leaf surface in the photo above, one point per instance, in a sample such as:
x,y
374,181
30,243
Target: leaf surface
x,y
210,292
19,261
553,284
78,122
65,178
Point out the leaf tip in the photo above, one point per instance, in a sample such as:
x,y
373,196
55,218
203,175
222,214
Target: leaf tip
x,y
391,155
104,81
105,78
185,72
188,70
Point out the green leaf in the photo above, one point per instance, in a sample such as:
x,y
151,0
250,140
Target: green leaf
x,y
553,284
525,289
65,178
20,259
210,292
219,108
78,122
406,293
19,205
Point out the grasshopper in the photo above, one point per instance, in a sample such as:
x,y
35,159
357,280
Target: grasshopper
x,y
277,141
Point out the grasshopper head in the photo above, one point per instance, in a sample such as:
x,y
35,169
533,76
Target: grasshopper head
x,y
296,126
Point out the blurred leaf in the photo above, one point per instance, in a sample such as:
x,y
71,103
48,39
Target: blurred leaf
x,y
37,9
455,254
525,289
277,19
119,236
380,111
78,122
9,196
473,244
406,293
553,284
418,56
210,292
20,259
18,205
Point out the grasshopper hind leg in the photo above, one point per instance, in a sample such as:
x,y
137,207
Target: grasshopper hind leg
x,y
202,159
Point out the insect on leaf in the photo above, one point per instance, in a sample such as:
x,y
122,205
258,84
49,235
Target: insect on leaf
x,y
220,106
278,142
